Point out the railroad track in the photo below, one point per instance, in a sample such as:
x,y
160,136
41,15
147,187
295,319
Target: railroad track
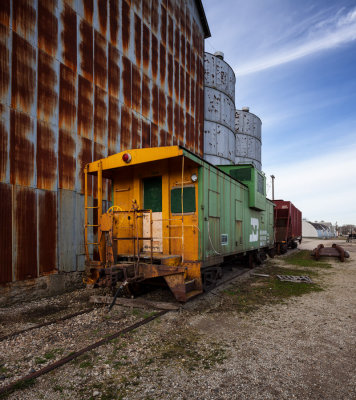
x,y
13,334
27,378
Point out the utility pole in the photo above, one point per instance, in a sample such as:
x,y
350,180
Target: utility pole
x,y
273,177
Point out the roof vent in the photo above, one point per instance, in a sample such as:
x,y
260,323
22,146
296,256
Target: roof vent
x,y
247,109
219,54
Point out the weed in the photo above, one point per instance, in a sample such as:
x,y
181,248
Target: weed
x,y
303,258
58,388
86,364
39,360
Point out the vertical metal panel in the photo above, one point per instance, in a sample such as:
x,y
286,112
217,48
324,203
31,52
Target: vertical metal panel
x,y
126,122
114,21
86,52
5,64
67,98
86,10
114,71
155,103
100,116
176,122
154,56
22,149
66,159
136,89
170,33
85,108
162,65
146,11
162,137
47,231
46,156
23,75
125,26
69,37
170,66
170,119
24,19
146,45
146,134
163,24
47,27
154,135
100,60
4,143
114,126
126,81
181,135
162,109
6,233
101,16
79,233
182,50
154,16
47,88
136,131
5,12
146,97
176,81
85,156
138,39
25,233
67,230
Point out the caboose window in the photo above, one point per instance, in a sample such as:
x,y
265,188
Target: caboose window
x,y
260,184
188,200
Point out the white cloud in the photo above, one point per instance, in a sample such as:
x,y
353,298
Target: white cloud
x,y
325,34
323,188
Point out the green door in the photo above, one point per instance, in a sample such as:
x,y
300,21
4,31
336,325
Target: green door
x,y
152,194
152,200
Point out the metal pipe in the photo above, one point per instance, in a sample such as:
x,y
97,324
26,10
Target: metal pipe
x,y
273,177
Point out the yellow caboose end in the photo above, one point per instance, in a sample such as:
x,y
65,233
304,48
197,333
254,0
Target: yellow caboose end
x,y
151,231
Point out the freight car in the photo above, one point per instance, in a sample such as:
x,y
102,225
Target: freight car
x,y
175,219
288,226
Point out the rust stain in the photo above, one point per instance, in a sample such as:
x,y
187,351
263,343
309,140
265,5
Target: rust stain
x,y
100,60
6,233
154,16
170,116
192,95
114,71
114,21
4,142
88,10
176,80
66,160
125,128
188,27
163,25
146,96
23,74
137,5
181,125
176,121
47,231
46,156
86,50
125,26
155,103
146,134
154,135
182,50
154,56
25,233
136,89
170,73
192,63
162,65
177,5
188,53
138,40
146,11
22,149
47,92
126,80
4,63
5,12
188,129
99,151
24,18
187,90
170,33
162,108
136,132
162,137
69,37
47,27
114,125
85,108
182,84
176,44
67,98
201,121
182,18
85,156
103,16
100,115
146,47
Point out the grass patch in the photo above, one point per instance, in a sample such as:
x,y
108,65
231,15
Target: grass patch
x,y
86,364
303,258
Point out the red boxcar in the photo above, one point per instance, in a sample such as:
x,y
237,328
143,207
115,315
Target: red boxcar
x,y
288,225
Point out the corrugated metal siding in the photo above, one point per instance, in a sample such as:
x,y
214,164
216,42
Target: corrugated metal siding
x,y
79,80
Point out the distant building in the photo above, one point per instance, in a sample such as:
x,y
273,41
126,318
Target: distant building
x,y
322,230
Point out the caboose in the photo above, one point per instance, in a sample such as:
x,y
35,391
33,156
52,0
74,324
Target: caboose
x,y
175,218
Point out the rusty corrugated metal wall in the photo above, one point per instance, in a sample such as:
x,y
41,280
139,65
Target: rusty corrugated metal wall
x,y
80,80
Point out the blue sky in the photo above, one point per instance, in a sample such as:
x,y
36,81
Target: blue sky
x,y
295,66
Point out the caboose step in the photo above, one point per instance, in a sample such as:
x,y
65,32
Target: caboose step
x,y
193,293
189,285
157,258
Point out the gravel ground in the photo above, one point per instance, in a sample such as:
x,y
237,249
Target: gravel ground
x,y
303,348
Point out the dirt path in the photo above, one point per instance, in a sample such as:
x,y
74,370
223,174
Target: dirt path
x,y
303,348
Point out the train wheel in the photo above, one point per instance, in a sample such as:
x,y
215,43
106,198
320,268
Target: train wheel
x,y
210,277
294,244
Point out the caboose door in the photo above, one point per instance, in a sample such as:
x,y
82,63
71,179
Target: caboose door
x,y
152,200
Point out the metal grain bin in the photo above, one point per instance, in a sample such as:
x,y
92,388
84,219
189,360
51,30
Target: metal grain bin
x,y
248,138
219,110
